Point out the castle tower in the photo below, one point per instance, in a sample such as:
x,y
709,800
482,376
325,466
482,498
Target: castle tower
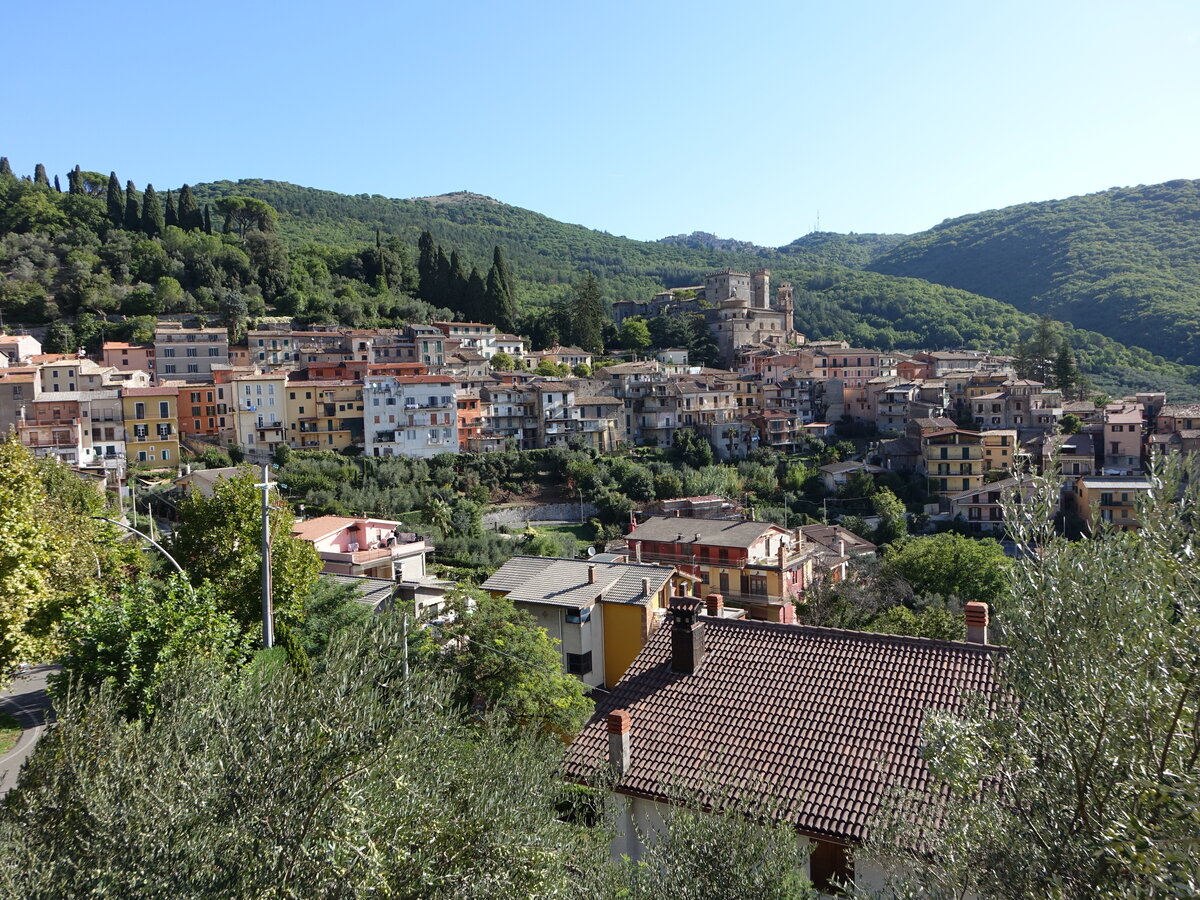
x,y
760,289
785,304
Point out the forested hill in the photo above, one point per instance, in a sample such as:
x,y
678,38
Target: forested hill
x,y
1124,262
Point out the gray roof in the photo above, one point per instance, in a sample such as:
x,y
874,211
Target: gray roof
x,y
1117,483
371,591
564,582
719,532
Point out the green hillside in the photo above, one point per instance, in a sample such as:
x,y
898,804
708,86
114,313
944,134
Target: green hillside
x,y
1124,262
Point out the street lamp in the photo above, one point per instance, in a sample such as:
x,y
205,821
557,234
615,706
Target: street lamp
x,y
153,543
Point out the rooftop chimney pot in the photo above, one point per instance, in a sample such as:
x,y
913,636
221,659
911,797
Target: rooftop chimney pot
x,y
715,605
591,574
618,724
687,635
976,614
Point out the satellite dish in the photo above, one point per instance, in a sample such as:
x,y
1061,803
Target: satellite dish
x,y
591,552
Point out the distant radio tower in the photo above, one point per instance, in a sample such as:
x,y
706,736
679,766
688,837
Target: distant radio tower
x,y
818,225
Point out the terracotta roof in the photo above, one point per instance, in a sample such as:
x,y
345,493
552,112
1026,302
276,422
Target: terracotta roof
x,y
820,721
160,391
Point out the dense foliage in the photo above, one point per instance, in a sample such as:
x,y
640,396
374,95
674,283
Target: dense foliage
x,y
1124,262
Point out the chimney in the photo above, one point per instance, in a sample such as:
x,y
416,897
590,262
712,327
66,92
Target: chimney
x,y
645,587
977,622
715,605
618,723
637,551
591,574
687,635
841,547
782,556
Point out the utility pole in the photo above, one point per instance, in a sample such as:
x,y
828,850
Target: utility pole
x,y
268,626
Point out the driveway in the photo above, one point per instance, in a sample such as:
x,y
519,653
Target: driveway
x,y
27,701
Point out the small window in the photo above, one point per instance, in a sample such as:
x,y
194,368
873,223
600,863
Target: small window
x,y
576,616
579,663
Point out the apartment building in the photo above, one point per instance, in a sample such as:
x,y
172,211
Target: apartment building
x,y
325,414
189,354
952,460
260,413
151,431
127,357
1106,500
1124,425
414,415
206,410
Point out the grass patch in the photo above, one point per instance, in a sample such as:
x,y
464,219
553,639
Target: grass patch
x,y
583,532
10,730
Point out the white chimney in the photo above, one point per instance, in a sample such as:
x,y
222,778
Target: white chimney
x,y
645,587
841,547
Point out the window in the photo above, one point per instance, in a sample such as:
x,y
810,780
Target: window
x,y
139,410
168,351
191,351
214,351
579,663
577,616
166,454
169,368
164,409
193,368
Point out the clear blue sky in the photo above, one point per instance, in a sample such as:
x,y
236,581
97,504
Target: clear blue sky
x,y
640,118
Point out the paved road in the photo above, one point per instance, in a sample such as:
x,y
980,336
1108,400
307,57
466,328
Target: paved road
x,y
25,700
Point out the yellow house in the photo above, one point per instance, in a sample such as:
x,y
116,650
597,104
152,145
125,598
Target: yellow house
x,y
151,425
998,449
1110,500
953,460
600,613
325,415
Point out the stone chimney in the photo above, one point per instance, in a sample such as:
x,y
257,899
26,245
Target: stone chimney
x,y
977,622
841,547
782,557
591,574
618,724
637,551
645,587
714,605
687,635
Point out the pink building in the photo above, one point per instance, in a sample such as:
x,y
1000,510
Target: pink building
x,y
129,357
377,548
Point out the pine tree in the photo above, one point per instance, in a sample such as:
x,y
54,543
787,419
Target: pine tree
x,y
1066,374
190,217
475,298
133,216
5,167
152,217
207,220
115,200
426,267
587,314
74,181
170,217
39,175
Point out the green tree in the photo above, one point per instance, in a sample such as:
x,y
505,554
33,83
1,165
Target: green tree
x,y
505,660
426,267
218,541
893,523
170,216
1070,424
1066,374
5,167
133,215
39,175
115,200
500,299
137,639
235,310
635,335
502,362
190,217
207,220
950,565
1094,758
152,216
247,213
475,297
586,314
168,293
60,338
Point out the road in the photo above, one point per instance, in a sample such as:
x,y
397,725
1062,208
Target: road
x,y
26,701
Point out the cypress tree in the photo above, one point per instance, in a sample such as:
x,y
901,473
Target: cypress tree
x,y
133,217
152,217
74,181
39,175
57,186
510,283
170,217
5,167
426,267
115,200
441,278
1066,374
190,217
475,298
207,220
458,283
587,314
500,310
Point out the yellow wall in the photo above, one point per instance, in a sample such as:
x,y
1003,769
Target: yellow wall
x,y
151,420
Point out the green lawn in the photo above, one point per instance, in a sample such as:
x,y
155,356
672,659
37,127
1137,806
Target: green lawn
x,y
583,532
10,730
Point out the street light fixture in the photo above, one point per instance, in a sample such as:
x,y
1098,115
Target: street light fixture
x,y
145,537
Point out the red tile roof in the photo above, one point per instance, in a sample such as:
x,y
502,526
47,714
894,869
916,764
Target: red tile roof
x,y
820,721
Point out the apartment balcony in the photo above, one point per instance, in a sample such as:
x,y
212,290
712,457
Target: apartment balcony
x,y
374,553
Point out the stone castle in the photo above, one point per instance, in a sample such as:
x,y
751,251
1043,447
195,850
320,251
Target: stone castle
x,y
737,307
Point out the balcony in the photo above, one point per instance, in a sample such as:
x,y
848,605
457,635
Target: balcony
x,y
371,554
